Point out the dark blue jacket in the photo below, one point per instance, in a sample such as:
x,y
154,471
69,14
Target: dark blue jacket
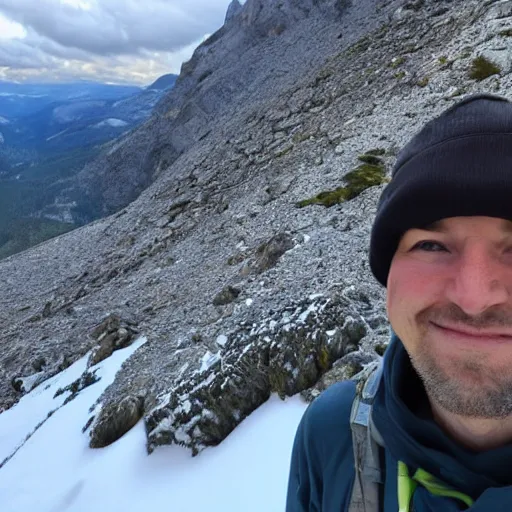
x,y
322,465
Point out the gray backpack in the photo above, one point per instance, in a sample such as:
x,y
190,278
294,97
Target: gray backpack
x,y
366,441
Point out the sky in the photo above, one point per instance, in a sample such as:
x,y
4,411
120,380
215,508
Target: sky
x,y
54,470
118,41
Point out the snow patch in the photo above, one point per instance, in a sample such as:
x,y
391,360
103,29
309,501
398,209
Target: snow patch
x,y
30,382
112,122
17,423
221,340
208,360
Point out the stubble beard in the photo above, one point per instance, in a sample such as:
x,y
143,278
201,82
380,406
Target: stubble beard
x,y
467,386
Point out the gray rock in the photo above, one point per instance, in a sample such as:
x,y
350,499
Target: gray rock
x,y
115,420
234,9
268,253
112,333
500,10
343,369
226,295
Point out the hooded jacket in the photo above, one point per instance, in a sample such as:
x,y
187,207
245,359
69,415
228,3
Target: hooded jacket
x,y
322,465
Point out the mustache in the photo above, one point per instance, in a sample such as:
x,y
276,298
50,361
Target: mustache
x,y
453,314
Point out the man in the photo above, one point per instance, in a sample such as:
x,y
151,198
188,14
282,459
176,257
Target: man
x,y
442,245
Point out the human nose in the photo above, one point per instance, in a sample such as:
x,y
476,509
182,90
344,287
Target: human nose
x,y
479,281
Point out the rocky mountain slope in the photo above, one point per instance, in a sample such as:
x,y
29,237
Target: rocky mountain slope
x,y
239,290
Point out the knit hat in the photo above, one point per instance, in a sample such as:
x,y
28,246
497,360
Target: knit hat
x,y
459,164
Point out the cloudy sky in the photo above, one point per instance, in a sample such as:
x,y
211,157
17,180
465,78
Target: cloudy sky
x,y
121,41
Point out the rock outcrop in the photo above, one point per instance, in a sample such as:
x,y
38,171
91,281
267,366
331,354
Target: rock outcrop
x,y
234,9
215,82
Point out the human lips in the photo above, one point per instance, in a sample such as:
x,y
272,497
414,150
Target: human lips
x,y
470,334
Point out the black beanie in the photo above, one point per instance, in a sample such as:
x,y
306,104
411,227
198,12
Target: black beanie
x,y
459,164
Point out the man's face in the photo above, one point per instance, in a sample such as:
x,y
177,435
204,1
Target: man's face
x,y
449,299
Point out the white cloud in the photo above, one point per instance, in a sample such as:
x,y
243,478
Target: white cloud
x,y
132,40
10,29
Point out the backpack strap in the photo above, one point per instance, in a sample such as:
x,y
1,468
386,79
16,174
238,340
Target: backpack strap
x,y
366,440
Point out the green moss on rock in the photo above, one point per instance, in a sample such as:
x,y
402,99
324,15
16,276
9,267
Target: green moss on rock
x,y
370,159
423,82
482,68
380,348
397,62
362,177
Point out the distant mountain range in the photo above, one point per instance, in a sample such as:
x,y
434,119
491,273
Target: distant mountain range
x,y
48,132
40,119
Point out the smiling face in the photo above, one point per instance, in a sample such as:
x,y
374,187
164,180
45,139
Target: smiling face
x,y
449,299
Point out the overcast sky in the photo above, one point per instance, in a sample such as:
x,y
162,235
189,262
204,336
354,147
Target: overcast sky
x,y
122,41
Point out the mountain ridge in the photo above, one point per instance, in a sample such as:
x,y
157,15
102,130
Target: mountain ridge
x,y
215,78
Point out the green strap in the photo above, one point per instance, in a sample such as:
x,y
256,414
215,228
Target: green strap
x,y
407,486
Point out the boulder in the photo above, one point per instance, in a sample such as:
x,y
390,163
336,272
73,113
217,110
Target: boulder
x,y
343,369
268,253
226,296
115,420
113,333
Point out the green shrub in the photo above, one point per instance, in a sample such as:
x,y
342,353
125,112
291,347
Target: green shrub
x,y
362,177
482,68
328,198
400,75
284,151
323,359
443,60
300,137
278,379
380,348
397,62
506,33
423,82
359,47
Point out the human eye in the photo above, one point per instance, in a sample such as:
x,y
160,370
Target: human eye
x,y
429,246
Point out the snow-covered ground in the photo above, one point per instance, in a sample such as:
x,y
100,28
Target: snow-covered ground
x,y
54,470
